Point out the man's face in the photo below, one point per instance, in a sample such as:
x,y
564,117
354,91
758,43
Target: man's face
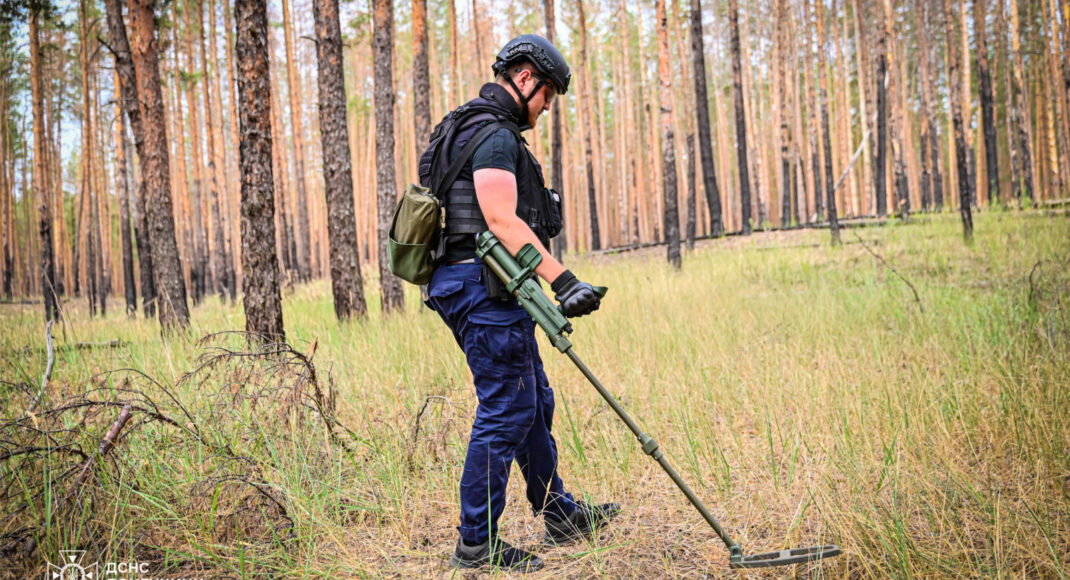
x,y
541,100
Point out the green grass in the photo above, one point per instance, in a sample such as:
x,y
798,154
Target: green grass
x,y
798,388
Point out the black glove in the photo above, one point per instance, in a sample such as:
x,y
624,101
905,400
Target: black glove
x,y
576,298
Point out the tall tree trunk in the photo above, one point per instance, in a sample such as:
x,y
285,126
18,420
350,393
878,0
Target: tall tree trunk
x,y
124,167
40,185
668,147
896,120
7,233
93,240
455,67
988,106
1003,48
216,183
346,282
127,81
421,77
822,97
223,162
588,121
199,267
234,176
167,271
782,66
961,151
880,160
1020,111
741,123
925,112
390,285
560,243
260,280
300,191
702,107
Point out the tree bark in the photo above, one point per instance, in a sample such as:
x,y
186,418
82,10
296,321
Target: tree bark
x,y
167,271
560,243
896,119
300,191
1020,111
346,282
127,80
123,168
741,123
822,97
585,99
393,298
880,160
782,66
40,185
218,256
668,147
260,280
988,106
421,77
702,108
961,151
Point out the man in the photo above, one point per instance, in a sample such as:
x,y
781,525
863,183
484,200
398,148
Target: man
x,y
501,188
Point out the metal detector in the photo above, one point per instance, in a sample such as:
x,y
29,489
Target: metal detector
x,y
519,276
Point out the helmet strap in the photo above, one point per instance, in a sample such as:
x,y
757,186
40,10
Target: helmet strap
x,y
524,98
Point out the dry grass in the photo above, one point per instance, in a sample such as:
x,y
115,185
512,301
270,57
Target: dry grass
x,y
799,389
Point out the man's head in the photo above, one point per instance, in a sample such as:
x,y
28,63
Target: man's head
x,y
534,71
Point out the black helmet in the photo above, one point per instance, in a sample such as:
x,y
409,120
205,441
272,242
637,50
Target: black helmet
x,y
541,53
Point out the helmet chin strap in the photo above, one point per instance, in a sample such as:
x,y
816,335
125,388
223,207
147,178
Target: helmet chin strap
x,y
524,98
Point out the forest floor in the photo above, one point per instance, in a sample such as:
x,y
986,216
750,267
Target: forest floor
x,y
906,396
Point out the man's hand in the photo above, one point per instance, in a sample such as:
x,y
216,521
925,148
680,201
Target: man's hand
x,y
576,298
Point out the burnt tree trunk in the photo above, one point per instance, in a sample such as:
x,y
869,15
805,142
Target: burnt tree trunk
x,y
40,185
961,151
346,282
167,271
880,163
741,119
260,264
988,105
393,297
668,146
702,118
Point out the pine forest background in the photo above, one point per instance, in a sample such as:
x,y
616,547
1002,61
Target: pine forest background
x,y
854,58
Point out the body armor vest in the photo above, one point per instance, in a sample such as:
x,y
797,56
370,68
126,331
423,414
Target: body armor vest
x,y
540,208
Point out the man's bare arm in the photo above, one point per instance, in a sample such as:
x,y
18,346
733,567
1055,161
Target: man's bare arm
x,y
497,194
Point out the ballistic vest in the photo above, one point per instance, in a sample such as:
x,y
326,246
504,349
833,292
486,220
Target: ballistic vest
x,y
537,206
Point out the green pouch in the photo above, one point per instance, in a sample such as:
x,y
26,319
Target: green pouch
x,y
413,234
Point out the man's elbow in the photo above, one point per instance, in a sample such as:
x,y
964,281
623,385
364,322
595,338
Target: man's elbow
x,y
499,223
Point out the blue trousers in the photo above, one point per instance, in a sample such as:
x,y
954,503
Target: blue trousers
x,y
516,403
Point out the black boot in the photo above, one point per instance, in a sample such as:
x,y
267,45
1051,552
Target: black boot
x,y
494,552
579,523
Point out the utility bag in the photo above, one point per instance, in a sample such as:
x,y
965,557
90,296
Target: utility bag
x,y
419,217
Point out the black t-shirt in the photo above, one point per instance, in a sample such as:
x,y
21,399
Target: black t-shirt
x,y
498,151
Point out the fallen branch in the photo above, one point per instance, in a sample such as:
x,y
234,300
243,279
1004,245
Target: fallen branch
x,y
106,445
917,299
48,370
